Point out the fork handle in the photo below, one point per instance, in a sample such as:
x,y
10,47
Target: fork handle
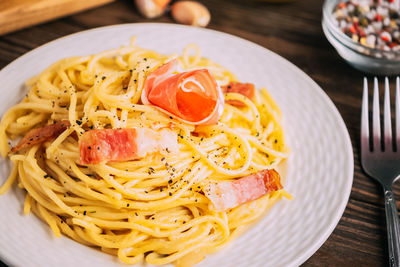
x,y
393,229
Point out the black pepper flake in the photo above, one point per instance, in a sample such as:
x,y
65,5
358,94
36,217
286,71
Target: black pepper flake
x,y
127,205
103,78
151,170
170,194
46,176
145,59
84,212
136,214
170,181
276,141
78,122
163,158
98,148
161,189
170,117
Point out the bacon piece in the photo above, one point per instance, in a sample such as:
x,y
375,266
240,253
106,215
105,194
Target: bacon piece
x,y
42,134
105,145
227,195
246,89
194,97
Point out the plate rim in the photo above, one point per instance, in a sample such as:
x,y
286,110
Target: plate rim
x,y
315,87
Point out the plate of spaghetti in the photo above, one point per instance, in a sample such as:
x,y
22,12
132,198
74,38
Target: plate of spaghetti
x,y
159,144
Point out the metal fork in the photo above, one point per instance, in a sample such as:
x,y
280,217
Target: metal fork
x,y
383,163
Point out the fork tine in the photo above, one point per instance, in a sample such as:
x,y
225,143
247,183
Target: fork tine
x,y
397,115
376,122
387,119
364,118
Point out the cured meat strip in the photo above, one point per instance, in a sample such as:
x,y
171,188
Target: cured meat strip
x,y
103,145
40,135
246,89
227,195
192,96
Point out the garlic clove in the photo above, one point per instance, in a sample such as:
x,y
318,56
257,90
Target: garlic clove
x,y
152,8
191,13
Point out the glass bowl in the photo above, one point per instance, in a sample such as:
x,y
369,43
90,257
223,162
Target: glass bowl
x,y
371,60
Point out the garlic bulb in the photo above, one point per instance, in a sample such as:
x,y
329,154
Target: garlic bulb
x,y
152,8
190,13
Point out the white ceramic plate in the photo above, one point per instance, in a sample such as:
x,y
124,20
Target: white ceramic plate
x,y
320,167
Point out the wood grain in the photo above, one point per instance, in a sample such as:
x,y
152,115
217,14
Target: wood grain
x,y
292,30
17,14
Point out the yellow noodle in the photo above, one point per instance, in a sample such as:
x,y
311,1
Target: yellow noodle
x,y
152,209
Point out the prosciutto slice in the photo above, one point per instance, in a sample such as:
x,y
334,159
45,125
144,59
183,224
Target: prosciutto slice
x,y
246,89
104,145
194,97
41,134
227,195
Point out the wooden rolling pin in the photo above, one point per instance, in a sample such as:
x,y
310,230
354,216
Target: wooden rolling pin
x,y
17,14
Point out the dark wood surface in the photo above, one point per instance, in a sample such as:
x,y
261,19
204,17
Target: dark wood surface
x,y
292,30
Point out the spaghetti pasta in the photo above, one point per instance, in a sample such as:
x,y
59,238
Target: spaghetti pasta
x,y
153,208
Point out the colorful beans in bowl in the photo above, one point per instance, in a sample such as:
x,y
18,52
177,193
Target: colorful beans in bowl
x,y
366,33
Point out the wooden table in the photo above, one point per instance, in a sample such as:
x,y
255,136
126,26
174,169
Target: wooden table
x,y
292,30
